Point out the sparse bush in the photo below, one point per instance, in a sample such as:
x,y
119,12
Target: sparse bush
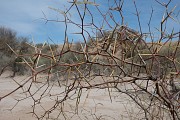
x,y
18,67
10,43
7,37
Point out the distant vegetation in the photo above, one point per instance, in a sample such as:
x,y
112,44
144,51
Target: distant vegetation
x,y
10,45
14,50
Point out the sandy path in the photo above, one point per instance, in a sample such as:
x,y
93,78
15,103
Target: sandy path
x,y
94,104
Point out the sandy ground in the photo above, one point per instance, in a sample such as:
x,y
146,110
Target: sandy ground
x,y
94,104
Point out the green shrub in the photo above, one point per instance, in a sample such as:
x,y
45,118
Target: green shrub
x,y
18,67
71,57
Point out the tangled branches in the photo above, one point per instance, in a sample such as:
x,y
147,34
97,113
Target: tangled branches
x,y
120,60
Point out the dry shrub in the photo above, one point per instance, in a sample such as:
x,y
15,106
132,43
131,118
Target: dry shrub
x,y
118,60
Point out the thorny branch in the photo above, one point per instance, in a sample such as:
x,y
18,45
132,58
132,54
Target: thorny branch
x,y
120,54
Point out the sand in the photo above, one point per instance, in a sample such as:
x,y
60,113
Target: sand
x,y
95,104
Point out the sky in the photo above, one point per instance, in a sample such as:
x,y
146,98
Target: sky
x,y
26,17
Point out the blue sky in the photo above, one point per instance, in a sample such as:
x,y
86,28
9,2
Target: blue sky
x,y
25,17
